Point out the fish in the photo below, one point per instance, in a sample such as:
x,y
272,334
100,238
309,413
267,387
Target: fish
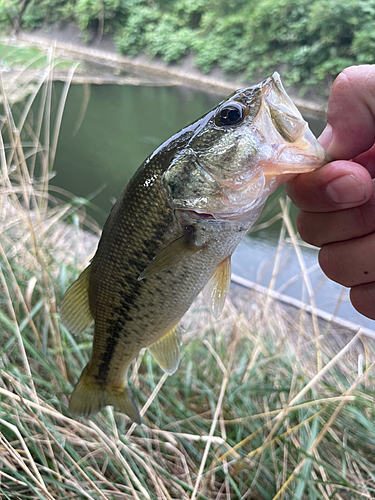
x,y
172,232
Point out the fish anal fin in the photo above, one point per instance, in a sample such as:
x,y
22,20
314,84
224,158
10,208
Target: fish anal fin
x,y
172,254
75,307
166,351
216,289
89,397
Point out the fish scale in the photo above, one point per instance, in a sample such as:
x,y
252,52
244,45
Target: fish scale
x,y
172,233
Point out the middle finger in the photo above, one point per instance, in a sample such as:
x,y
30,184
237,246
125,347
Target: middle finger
x,y
321,228
351,262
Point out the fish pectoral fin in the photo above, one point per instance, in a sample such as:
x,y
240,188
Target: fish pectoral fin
x,y
172,254
166,351
75,308
216,289
89,397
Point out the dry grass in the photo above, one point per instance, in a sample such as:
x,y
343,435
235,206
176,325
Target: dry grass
x,y
260,408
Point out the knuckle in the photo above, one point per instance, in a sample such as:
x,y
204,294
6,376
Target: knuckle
x,y
332,263
363,299
351,72
365,219
325,260
305,229
346,78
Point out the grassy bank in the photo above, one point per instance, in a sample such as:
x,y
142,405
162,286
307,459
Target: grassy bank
x,y
15,57
263,406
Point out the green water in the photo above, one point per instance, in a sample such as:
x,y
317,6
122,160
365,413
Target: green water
x,y
102,144
121,126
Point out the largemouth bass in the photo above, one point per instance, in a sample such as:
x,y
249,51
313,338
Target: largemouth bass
x,y
173,230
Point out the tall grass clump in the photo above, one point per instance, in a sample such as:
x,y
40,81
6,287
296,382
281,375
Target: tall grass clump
x,y
267,403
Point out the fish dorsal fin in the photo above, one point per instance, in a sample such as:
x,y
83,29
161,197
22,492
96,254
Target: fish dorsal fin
x,y
166,351
75,308
172,254
216,289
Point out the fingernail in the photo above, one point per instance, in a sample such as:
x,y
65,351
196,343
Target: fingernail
x,y
326,136
346,189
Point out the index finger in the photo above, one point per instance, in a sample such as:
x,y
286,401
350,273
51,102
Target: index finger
x,y
351,113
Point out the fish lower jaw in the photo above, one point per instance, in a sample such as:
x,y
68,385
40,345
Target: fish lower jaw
x,y
274,181
295,158
287,171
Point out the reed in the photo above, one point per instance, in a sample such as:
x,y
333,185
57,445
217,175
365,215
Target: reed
x,y
262,405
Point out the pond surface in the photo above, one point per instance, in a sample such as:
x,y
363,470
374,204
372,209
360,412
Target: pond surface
x,y
101,144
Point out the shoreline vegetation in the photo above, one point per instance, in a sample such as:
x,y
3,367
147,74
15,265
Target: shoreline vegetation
x,y
309,43
138,70
216,45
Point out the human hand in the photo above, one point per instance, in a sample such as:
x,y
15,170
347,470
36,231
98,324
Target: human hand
x,y
337,201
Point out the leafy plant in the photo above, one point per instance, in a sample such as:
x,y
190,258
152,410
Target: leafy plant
x,y
131,39
168,40
311,40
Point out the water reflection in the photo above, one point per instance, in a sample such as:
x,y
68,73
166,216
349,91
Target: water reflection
x,y
122,125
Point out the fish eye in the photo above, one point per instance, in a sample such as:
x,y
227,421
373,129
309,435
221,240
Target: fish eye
x,y
232,113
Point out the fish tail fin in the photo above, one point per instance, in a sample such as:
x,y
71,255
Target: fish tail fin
x,y
89,397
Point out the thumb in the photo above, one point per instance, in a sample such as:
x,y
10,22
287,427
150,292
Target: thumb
x,y
350,128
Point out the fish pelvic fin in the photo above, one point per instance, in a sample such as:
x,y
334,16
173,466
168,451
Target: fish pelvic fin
x,y
75,308
177,250
166,351
216,289
89,397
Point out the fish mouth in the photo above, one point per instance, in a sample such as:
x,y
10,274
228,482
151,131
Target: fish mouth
x,y
294,148
290,161
200,216
304,155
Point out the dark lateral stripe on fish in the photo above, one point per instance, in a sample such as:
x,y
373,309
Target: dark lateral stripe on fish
x,y
122,313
